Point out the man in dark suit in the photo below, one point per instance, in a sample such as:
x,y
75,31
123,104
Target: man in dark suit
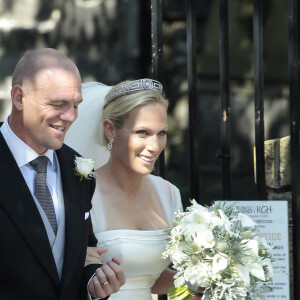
x,y
43,248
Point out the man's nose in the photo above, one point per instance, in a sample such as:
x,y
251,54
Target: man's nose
x,y
69,115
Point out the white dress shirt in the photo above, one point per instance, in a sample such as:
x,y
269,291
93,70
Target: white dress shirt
x,y
23,155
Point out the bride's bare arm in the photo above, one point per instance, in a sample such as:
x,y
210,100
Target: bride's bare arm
x,y
93,255
163,282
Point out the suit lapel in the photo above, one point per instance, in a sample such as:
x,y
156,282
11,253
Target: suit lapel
x,y
74,212
19,205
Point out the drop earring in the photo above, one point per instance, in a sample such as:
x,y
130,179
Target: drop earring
x,y
110,144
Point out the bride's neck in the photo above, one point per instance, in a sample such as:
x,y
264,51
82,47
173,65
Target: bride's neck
x,y
128,182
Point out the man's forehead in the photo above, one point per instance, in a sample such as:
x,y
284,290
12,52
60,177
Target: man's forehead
x,y
57,76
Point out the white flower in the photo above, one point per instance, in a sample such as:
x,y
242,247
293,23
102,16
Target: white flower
x,y
198,275
255,269
205,239
223,217
203,217
200,215
251,250
245,220
198,206
219,263
84,167
251,264
243,273
190,231
176,235
220,250
178,255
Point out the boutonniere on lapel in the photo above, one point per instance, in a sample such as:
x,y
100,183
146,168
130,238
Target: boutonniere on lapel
x,y
84,168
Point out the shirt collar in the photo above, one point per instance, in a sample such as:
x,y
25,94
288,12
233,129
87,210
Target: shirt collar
x,y
22,153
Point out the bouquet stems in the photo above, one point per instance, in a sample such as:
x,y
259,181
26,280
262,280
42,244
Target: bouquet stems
x,y
180,293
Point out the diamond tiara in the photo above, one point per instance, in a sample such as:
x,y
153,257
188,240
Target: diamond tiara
x,y
134,86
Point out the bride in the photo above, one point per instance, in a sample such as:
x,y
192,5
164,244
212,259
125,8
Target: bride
x,y
131,207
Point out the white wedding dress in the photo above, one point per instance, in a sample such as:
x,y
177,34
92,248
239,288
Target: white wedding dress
x,y
140,251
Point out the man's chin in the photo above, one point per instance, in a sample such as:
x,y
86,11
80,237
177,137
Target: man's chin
x,y
55,146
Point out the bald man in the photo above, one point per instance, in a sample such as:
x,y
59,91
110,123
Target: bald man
x,y
43,248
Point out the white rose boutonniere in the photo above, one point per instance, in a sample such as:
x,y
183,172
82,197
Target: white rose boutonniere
x,y
84,168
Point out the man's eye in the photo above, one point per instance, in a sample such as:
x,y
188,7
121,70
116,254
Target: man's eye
x,y
57,105
142,132
162,133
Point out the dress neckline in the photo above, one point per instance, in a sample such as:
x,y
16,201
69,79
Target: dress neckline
x,y
103,217
132,234
138,231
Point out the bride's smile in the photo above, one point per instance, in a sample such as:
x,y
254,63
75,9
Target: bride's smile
x,y
147,159
142,138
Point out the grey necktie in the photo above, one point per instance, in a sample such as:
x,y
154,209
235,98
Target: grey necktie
x,y
41,190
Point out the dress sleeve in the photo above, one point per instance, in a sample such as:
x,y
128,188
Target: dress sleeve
x,y
97,213
176,203
170,197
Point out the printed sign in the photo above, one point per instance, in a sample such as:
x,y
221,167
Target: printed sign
x,y
272,222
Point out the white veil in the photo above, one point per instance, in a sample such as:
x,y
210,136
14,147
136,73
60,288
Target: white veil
x,y
86,134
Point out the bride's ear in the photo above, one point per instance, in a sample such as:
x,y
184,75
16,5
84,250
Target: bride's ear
x,y
108,129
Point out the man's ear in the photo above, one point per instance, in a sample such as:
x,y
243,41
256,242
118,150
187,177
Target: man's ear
x,y
108,129
17,94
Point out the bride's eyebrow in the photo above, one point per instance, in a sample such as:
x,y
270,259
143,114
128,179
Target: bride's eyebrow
x,y
141,127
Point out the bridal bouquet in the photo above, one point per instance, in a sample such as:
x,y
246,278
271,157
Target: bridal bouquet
x,y
218,249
